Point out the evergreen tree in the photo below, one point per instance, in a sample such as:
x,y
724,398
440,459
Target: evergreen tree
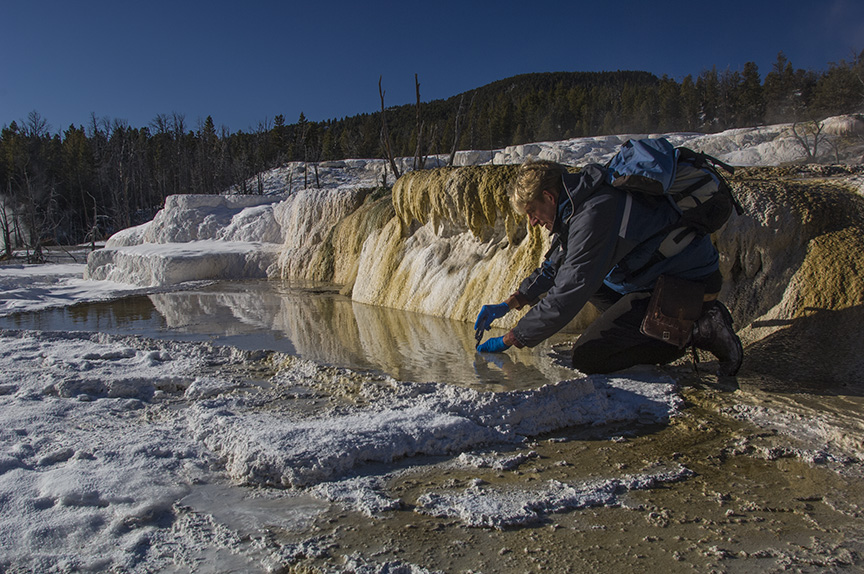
x,y
690,110
727,108
670,113
206,158
708,86
839,90
751,99
778,91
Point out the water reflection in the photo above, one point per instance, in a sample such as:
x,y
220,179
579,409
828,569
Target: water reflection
x,y
312,321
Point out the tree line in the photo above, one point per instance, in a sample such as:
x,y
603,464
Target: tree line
x,y
87,181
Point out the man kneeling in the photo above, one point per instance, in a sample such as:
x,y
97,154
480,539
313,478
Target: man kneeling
x,y
604,250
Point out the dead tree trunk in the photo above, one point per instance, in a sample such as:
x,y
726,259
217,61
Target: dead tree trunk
x,y
457,133
5,224
419,157
290,178
385,135
7,233
94,234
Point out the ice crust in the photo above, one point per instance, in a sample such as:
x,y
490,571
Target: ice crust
x,y
480,506
413,419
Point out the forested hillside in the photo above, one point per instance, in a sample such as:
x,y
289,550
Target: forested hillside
x,y
70,185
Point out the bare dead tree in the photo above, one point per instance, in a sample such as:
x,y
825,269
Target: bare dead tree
x,y
94,234
814,129
5,224
303,129
836,147
457,130
33,188
290,177
36,126
419,157
431,135
385,135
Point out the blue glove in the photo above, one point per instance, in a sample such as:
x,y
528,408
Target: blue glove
x,y
489,313
493,345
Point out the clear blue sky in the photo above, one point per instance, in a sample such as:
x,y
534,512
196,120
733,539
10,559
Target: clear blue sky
x,y
244,62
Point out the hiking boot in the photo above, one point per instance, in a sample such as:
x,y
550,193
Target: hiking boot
x,y
713,332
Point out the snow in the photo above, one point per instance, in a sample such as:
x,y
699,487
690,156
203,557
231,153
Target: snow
x,y
224,217
35,287
105,440
78,472
271,449
155,264
498,508
103,436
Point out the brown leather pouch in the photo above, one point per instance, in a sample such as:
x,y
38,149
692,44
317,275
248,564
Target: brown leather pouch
x,y
675,305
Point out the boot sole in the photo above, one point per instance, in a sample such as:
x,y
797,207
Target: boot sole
x,y
733,370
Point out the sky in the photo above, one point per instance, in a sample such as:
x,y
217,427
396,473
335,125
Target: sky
x,y
243,63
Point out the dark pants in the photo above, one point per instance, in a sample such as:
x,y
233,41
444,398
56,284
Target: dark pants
x,y
614,341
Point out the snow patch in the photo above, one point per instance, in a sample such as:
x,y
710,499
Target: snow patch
x,y
496,507
428,419
156,264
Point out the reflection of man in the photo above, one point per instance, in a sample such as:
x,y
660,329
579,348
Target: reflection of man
x,y
603,251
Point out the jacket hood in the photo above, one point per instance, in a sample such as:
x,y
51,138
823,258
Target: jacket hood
x,y
576,189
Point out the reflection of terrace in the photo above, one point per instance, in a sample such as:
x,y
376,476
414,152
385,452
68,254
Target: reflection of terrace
x,y
321,325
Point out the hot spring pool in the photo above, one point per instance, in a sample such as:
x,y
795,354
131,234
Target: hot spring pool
x,y
315,322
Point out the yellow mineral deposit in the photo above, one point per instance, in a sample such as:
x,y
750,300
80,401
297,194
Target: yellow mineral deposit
x,y
455,243
444,243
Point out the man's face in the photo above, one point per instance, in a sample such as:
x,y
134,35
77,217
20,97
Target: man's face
x,y
542,211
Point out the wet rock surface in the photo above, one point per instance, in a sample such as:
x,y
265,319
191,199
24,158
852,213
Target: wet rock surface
x,y
758,500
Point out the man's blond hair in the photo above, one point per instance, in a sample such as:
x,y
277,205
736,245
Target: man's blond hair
x,y
533,179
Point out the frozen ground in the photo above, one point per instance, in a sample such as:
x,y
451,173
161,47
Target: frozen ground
x,y
104,438
135,455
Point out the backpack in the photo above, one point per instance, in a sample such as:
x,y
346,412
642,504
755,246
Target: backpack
x,y
689,180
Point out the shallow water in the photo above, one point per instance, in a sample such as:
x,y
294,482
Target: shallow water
x,y
312,321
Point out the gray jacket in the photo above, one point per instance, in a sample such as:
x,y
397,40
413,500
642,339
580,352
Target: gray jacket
x,y
600,232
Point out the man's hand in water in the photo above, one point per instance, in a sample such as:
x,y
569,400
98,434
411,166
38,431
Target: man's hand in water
x,y
493,345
